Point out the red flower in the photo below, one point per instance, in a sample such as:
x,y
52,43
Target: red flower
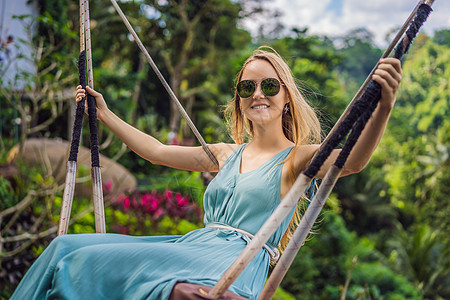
x,y
120,198
145,199
181,201
135,203
158,213
126,203
168,194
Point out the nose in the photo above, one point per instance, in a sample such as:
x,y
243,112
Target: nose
x,y
258,92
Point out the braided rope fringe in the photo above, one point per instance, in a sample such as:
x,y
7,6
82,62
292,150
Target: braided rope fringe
x,y
79,113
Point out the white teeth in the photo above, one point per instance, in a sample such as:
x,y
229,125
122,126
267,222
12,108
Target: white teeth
x,y
260,106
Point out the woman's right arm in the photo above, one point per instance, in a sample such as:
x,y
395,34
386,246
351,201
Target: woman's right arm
x,y
149,148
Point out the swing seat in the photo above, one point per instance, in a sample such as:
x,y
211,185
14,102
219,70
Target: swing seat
x,y
190,291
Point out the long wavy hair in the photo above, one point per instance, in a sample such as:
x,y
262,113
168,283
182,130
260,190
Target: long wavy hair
x,y
300,123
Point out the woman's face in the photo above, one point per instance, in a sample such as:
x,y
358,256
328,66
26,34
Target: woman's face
x,y
259,108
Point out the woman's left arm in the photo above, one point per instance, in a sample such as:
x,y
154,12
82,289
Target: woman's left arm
x,y
388,75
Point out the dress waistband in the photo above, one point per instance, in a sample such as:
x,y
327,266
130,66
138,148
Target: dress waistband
x,y
274,254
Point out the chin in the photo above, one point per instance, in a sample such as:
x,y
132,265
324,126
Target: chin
x,y
263,119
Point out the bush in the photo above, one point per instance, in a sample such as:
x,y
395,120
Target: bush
x,y
321,268
151,213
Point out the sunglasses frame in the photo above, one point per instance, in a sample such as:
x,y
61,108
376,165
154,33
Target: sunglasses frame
x,y
255,86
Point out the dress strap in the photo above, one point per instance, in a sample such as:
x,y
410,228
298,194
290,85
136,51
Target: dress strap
x,y
274,254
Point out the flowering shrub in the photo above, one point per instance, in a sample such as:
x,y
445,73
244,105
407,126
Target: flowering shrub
x,y
144,212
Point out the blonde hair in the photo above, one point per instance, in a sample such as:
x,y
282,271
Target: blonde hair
x,y
300,124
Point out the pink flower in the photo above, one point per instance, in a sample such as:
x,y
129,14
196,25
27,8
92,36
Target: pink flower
x,y
158,213
168,194
126,203
135,203
145,199
152,205
181,201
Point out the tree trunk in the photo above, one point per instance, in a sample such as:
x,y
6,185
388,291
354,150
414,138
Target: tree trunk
x,y
174,114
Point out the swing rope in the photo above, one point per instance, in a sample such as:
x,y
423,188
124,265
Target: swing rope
x,y
97,189
359,114
85,51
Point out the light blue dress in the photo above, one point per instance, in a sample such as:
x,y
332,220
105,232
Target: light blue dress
x,y
113,266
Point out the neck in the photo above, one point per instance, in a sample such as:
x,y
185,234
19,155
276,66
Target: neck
x,y
269,137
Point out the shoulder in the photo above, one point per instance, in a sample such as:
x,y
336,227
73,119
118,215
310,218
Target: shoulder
x,y
222,151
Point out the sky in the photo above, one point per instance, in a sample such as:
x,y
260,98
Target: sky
x,y
337,17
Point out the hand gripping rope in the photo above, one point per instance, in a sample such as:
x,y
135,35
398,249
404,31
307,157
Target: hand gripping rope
x,y
92,111
354,119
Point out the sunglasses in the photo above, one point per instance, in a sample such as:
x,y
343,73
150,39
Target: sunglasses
x,y
269,86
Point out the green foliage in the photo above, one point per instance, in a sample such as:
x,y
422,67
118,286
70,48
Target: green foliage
x,y
321,268
6,194
375,281
442,37
281,294
421,254
30,209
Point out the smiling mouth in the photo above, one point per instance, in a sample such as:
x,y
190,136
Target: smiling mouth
x,y
260,107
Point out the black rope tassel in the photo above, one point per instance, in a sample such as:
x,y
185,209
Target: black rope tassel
x,y
79,113
372,96
363,108
92,111
422,14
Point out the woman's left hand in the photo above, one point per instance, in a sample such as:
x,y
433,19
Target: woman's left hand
x,y
388,75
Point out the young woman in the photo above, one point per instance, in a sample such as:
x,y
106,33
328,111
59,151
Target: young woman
x,y
252,178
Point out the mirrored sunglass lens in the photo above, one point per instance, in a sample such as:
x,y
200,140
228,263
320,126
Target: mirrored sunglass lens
x,y
270,86
245,88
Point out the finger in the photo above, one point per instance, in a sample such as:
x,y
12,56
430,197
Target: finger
x,y
388,78
396,63
385,86
80,95
80,90
92,92
391,69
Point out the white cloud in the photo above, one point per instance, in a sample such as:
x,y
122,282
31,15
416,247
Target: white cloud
x,y
379,17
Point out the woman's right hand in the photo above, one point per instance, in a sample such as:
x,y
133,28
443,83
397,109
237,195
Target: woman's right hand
x,y
100,102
